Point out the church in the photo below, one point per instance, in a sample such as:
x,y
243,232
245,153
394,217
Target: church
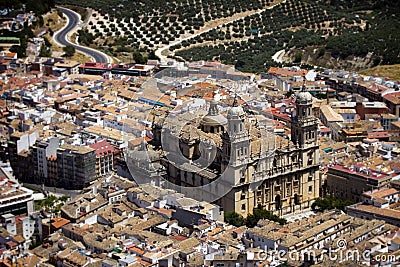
x,y
247,164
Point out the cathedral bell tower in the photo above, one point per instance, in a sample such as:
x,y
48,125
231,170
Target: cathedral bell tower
x,y
304,136
235,159
304,124
237,142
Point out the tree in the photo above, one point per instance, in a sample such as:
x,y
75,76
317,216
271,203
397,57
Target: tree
x,y
251,220
321,52
330,202
152,55
139,58
297,57
234,218
259,214
69,50
63,198
44,51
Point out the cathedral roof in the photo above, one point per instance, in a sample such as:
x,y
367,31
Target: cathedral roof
x,y
214,117
214,120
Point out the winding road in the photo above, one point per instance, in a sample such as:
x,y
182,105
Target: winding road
x,y
61,37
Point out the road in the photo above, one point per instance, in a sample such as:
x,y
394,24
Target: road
x,y
277,57
61,37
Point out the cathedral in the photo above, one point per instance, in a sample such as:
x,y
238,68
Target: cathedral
x,y
255,167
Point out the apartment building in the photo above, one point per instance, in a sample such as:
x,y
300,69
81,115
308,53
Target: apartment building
x,y
106,157
66,166
14,198
350,182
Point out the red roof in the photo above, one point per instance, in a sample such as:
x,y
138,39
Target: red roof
x,y
377,135
137,250
238,231
178,237
393,97
11,55
19,218
371,174
95,65
325,130
103,147
377,89
286,72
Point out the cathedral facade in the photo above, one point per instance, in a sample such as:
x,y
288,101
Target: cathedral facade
x,y
263,170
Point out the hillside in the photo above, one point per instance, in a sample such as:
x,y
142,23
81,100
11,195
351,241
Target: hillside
x,y
339,33
391,71
126,26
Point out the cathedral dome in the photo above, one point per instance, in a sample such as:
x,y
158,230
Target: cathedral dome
x,y
214,120
304,97
214,117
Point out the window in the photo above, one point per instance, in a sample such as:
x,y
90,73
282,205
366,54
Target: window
x,y
310,189
310,176
242,195
243,207
310,158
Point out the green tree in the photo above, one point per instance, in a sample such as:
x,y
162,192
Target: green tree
x,y
234,218
321,52
63,198
259,214
297,57
69,50
152,55
44,51
330,202
19,49
139,58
